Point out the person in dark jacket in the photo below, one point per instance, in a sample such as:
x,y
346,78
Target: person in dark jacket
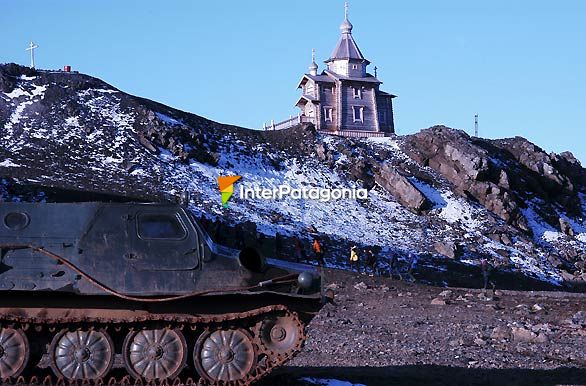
x,y
486,269
299,250
371,261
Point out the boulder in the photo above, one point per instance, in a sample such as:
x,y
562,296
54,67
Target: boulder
x,y
448,249
446,294
565,227
524,335
401,188
501,333
438,302
579,318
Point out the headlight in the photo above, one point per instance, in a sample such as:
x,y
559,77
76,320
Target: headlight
x,y
305,280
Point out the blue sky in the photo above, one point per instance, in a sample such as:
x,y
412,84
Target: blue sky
x,y
519,64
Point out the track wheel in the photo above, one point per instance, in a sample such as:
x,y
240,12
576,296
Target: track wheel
x,y
224,355
14,352
155,354
81,354
281,334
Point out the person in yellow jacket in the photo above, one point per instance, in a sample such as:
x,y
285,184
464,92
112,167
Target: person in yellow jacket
x,y
354,259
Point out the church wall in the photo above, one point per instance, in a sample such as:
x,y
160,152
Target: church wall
x,y
359,71
328,99
385,106
348,104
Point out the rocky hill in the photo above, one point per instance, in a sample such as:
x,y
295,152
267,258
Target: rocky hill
x,y
441,195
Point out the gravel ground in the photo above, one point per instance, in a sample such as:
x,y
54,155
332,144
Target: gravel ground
x,y
381,331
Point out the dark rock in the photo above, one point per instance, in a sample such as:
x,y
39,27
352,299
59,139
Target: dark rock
x,y
579,318
565,227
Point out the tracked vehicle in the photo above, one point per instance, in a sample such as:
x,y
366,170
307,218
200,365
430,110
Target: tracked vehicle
x,y
88,290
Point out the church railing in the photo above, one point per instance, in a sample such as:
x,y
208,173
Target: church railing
x,y
292,121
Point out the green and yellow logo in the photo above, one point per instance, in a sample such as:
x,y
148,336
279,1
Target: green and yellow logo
x,y
226,184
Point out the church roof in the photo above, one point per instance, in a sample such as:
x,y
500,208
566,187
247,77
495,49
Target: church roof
x,y
346,49
380,92
306,98
368,78
316,78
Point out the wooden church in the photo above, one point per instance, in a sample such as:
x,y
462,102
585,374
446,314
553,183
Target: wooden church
x,y
345,99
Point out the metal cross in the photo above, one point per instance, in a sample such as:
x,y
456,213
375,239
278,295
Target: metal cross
x,y
346,10
31,48
313,55
375,72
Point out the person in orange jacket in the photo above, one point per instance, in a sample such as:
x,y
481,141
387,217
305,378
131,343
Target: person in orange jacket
x,y
319,253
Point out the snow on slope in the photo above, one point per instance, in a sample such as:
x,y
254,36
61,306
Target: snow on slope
x,y
95,144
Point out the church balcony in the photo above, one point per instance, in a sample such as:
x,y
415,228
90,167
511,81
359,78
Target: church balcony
x,y
292,121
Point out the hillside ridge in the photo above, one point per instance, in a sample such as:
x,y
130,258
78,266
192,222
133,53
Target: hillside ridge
x,y
439,194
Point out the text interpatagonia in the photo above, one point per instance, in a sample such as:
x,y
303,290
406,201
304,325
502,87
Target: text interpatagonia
x,y
304,193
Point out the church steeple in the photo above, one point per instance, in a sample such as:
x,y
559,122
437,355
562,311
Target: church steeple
x,y
346,26
313,66
346,59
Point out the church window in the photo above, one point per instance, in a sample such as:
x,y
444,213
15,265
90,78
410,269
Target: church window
x,y
328,114
357,92
355,67
358,113
383,117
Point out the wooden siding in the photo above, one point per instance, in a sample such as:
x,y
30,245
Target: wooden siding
x,y
349,102
385,104
328,99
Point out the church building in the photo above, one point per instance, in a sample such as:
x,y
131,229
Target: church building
x,y
345,99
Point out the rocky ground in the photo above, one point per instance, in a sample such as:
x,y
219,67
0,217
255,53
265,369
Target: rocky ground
x,y
381,331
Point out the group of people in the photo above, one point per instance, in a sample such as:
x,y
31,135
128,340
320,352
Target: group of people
x,y
370,260
365,260
301,255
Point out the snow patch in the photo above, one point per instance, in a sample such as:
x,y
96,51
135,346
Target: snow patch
x,y
17,92
430,192
39,90
550,236
7,163
168,119
329,382
458,210
388,142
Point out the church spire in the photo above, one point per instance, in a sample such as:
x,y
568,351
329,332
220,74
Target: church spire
x,y
313,66
346,59
346,26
